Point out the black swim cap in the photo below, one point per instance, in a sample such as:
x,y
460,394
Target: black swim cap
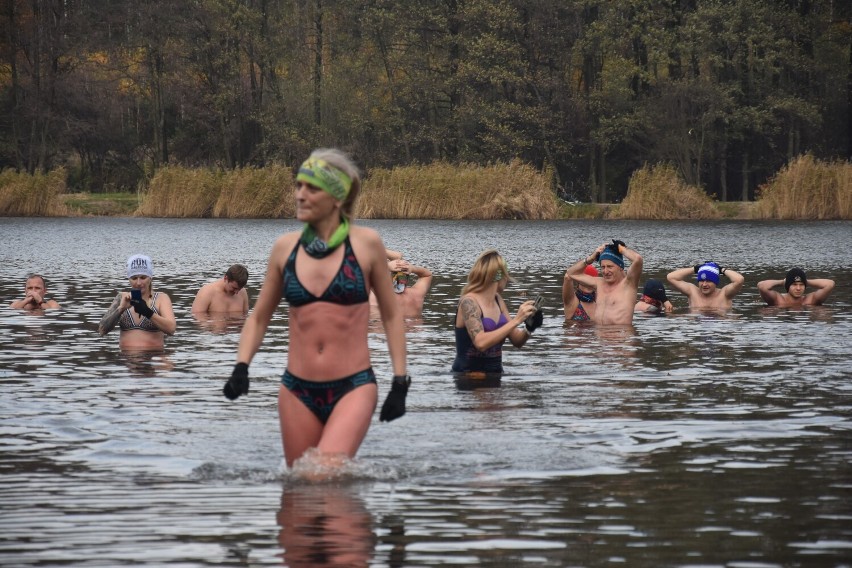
x,y
795,275
654,289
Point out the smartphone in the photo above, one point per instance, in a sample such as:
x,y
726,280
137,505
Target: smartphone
x,y
135,294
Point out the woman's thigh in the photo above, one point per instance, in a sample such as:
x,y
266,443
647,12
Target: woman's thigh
x,y
349,421
300,428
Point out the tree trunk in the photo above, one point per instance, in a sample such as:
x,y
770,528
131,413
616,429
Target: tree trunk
x,y
318,63
723,172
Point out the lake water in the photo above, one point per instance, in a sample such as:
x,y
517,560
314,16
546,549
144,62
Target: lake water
x,y
688,440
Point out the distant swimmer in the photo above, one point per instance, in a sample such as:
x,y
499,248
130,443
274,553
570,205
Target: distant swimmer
x,y
35,295
795,283
483,322
411,284
226,295
654,299
706,295
616,288
151,318
578,300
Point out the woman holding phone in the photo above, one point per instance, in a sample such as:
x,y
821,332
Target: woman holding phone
x,y
144,317
483,322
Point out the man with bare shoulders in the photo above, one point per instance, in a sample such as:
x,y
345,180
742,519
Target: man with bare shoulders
x,y
795,283
410,297
706,295
35,295
226,295
615,290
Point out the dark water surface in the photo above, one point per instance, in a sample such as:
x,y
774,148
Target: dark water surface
x,y
688,440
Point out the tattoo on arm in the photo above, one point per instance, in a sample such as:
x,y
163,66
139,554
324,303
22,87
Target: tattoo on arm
x,y
111,318
470,315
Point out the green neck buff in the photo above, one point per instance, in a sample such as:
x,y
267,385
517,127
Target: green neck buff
x,y
318,248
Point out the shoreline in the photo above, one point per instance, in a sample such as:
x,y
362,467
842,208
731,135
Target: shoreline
x,y
126,204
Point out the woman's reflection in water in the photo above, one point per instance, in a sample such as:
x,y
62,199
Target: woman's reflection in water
x,y
146,363
324,525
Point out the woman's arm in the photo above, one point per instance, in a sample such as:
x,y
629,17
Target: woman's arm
x,y
113,314
267,301
389,308
472,317
165,319
518,336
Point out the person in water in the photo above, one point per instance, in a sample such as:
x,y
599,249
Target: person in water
x,y
616,288
578,299
328,392
654,299
35,295
151,318
483,322
411,284
795,282
226,295
706,295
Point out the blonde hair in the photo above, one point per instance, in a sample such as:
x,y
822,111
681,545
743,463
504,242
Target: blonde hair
x,y
344,163
485,272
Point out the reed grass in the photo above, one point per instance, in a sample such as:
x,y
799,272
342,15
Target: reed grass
x,y
584,210
253,193
25,195
807,188
658,192
446,191
176,191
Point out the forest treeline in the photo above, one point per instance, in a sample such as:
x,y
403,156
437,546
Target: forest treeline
x,y
728,92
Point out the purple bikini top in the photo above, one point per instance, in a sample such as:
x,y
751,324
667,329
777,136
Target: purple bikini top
x,y
489,324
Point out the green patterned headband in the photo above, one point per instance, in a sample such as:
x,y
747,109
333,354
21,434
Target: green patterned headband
x,y
323,175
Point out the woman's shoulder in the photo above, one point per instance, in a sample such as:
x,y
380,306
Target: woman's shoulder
x,y
365,234
287,240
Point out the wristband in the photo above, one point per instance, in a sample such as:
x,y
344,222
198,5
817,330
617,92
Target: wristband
x,y
404,380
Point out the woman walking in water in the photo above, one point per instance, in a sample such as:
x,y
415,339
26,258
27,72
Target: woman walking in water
x,y
328,392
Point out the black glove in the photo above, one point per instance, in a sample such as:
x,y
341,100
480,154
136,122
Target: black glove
x,y
141,308
615,243
394,405
697,267
238,383
534,321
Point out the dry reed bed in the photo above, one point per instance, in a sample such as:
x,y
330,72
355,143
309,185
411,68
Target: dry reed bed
x,y
805,189
658,192
25,195
437,191
808,189
447,191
